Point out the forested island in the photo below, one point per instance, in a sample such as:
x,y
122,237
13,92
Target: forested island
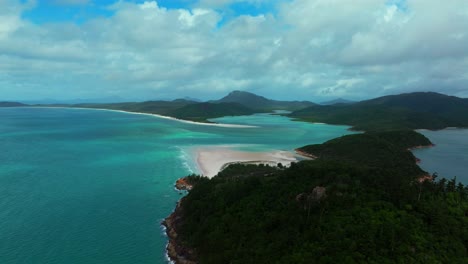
x,y
363,200
418,110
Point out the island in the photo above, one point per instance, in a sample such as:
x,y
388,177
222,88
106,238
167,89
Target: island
x,y
363,199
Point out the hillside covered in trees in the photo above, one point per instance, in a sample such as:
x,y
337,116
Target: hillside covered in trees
x,y
11,104
340,208
262,104
417,110
404,111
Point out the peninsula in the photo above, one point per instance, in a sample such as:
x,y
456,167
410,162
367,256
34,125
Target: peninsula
x,y
364,199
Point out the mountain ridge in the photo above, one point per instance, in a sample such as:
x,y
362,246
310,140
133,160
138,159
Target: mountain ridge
x,y
418,110
261,103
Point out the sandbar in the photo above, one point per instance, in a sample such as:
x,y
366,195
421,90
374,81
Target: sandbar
x,y
211,160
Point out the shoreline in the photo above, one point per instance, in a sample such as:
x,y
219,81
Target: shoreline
x,y
305,154
211,160
175,250
149,114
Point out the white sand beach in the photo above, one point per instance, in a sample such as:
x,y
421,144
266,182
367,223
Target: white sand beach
x,y
211,160
154,115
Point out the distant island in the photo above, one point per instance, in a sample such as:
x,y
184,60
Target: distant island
x,y
404,111
419,110
338,101
11,104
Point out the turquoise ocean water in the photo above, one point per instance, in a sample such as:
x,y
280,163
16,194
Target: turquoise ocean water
x,y
89,186
449,157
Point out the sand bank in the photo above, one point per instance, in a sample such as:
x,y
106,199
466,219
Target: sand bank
x,y
149,114
211,160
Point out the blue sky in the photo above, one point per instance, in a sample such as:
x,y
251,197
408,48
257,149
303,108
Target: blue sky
x,y
79,11
284,49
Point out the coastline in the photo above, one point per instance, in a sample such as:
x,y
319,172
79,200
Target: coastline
x,y
149,114
211,160
305,154
175,250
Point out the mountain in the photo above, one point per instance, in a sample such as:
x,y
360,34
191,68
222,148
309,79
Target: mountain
x,y
188,98
261,103
11,104
418,110
203,111
338,101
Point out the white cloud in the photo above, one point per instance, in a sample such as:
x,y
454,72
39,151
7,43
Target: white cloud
x,y
312,48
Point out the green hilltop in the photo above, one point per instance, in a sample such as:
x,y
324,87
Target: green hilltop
x,y
405,111
262,104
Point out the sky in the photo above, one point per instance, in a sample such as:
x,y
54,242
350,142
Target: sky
x,y
283,49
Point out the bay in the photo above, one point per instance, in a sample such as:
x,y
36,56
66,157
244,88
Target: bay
x,y
449,157
90,186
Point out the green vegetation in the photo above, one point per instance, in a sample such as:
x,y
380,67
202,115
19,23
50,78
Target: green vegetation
x,y
404,111
180,108
379,149
11,104
151,107
235,104
262,104
357,203
203,111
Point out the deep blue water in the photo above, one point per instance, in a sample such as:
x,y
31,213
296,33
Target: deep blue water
x,y
89,186
449,157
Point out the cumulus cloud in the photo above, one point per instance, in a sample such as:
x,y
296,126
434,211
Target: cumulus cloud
x,y
308,49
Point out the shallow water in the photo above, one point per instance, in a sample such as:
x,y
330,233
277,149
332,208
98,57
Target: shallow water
x,y
90,186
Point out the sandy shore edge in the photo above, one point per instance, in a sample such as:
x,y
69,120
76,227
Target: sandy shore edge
x,y
211,160
149,114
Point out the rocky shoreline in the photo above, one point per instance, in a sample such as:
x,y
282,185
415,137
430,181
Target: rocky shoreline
x,y
305,154
176,250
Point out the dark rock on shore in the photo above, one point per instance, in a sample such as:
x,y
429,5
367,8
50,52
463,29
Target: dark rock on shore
x,y
177,251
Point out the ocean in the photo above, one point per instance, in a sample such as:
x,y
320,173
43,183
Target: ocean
x,y
449,157
90,186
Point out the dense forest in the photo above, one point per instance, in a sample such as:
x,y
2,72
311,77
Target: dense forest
x,y
203,111
262,104
417,110
404,111
376,208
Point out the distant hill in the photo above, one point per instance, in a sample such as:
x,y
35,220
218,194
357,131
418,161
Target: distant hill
x,y
338,101
203,111
405,111
188,98
261,103
152,107
179,108
11,104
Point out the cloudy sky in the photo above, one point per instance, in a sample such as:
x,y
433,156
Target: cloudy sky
x,y
283,49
